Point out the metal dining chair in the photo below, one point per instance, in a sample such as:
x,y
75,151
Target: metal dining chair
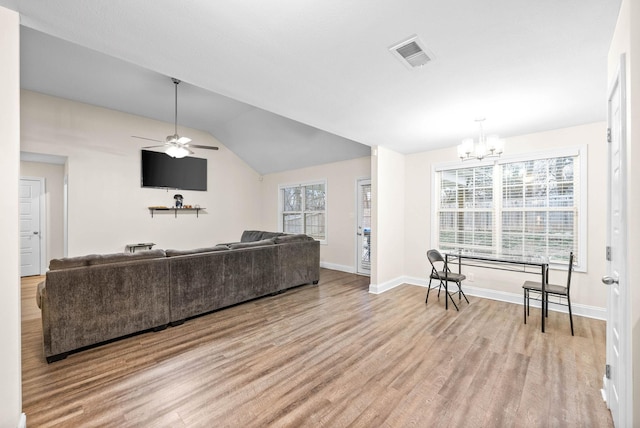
x,y
441,272
561,291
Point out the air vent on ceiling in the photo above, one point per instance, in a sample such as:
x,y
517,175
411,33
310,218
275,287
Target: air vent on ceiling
x,y
411,52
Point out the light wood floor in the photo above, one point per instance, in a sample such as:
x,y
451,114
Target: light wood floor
x,y
329,355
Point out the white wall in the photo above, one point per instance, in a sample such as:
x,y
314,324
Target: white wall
x,y
388,219
339,252
10,362
107,207
53,175
627,40
586,287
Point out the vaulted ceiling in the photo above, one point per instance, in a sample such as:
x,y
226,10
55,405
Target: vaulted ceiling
x,y
290,83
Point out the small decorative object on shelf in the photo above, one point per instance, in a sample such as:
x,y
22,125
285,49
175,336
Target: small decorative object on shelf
x,y
178,199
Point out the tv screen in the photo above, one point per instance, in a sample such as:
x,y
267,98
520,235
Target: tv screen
x,y
161,170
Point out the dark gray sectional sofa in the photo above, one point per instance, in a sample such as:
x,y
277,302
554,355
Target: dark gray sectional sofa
x,y
93,299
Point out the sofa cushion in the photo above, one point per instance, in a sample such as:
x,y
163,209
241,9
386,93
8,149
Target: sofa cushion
x,y
69,262
251,235
251,244
173,253
101,259
271,235
293,238
258,235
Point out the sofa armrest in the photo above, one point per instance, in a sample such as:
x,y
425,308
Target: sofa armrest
x,y
40,293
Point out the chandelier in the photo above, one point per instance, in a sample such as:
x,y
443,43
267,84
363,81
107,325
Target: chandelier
x,y
486,147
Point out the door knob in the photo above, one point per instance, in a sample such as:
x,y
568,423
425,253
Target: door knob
x,y
35,233
609,280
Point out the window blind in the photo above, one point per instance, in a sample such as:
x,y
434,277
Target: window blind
x,y
530,205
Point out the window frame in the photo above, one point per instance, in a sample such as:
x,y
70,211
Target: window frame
x,y
580,152
281,211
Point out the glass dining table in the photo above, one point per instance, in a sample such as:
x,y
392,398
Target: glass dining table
x,y
534,264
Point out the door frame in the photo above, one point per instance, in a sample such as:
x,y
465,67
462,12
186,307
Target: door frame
x,y
42,200
624,416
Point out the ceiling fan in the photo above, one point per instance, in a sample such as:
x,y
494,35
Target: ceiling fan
x,y
175,145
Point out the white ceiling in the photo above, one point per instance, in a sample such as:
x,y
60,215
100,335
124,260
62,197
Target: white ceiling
x,y
526,66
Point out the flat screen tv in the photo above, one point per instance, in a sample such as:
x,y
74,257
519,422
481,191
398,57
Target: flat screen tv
x,y
161,170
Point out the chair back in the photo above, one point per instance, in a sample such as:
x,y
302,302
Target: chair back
x,y
570,270
434,257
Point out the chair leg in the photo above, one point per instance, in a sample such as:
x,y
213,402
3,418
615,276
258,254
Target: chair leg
x,y
448,296
570,315
460,292
524,305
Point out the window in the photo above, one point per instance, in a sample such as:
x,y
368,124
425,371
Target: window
x,y
466,208
523,206
303,209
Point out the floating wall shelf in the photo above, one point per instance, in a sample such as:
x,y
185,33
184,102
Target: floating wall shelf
x,y
175,210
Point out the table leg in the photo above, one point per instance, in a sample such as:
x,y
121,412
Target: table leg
x,y
446,282
544,300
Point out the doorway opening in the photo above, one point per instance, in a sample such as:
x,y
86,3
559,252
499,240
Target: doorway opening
x,y
51,172
363,242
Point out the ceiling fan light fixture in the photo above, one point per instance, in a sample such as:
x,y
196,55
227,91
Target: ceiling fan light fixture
x,y
176,151
175,145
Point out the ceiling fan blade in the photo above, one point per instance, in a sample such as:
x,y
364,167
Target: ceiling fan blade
x,y
145,138
197,146
153,147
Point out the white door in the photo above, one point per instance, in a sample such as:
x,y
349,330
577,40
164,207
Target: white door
x,y
363,246
617,370
30,237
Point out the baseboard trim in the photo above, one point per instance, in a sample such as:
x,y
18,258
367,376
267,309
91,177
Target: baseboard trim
x,y
605,388
386,286
502,296
334,266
